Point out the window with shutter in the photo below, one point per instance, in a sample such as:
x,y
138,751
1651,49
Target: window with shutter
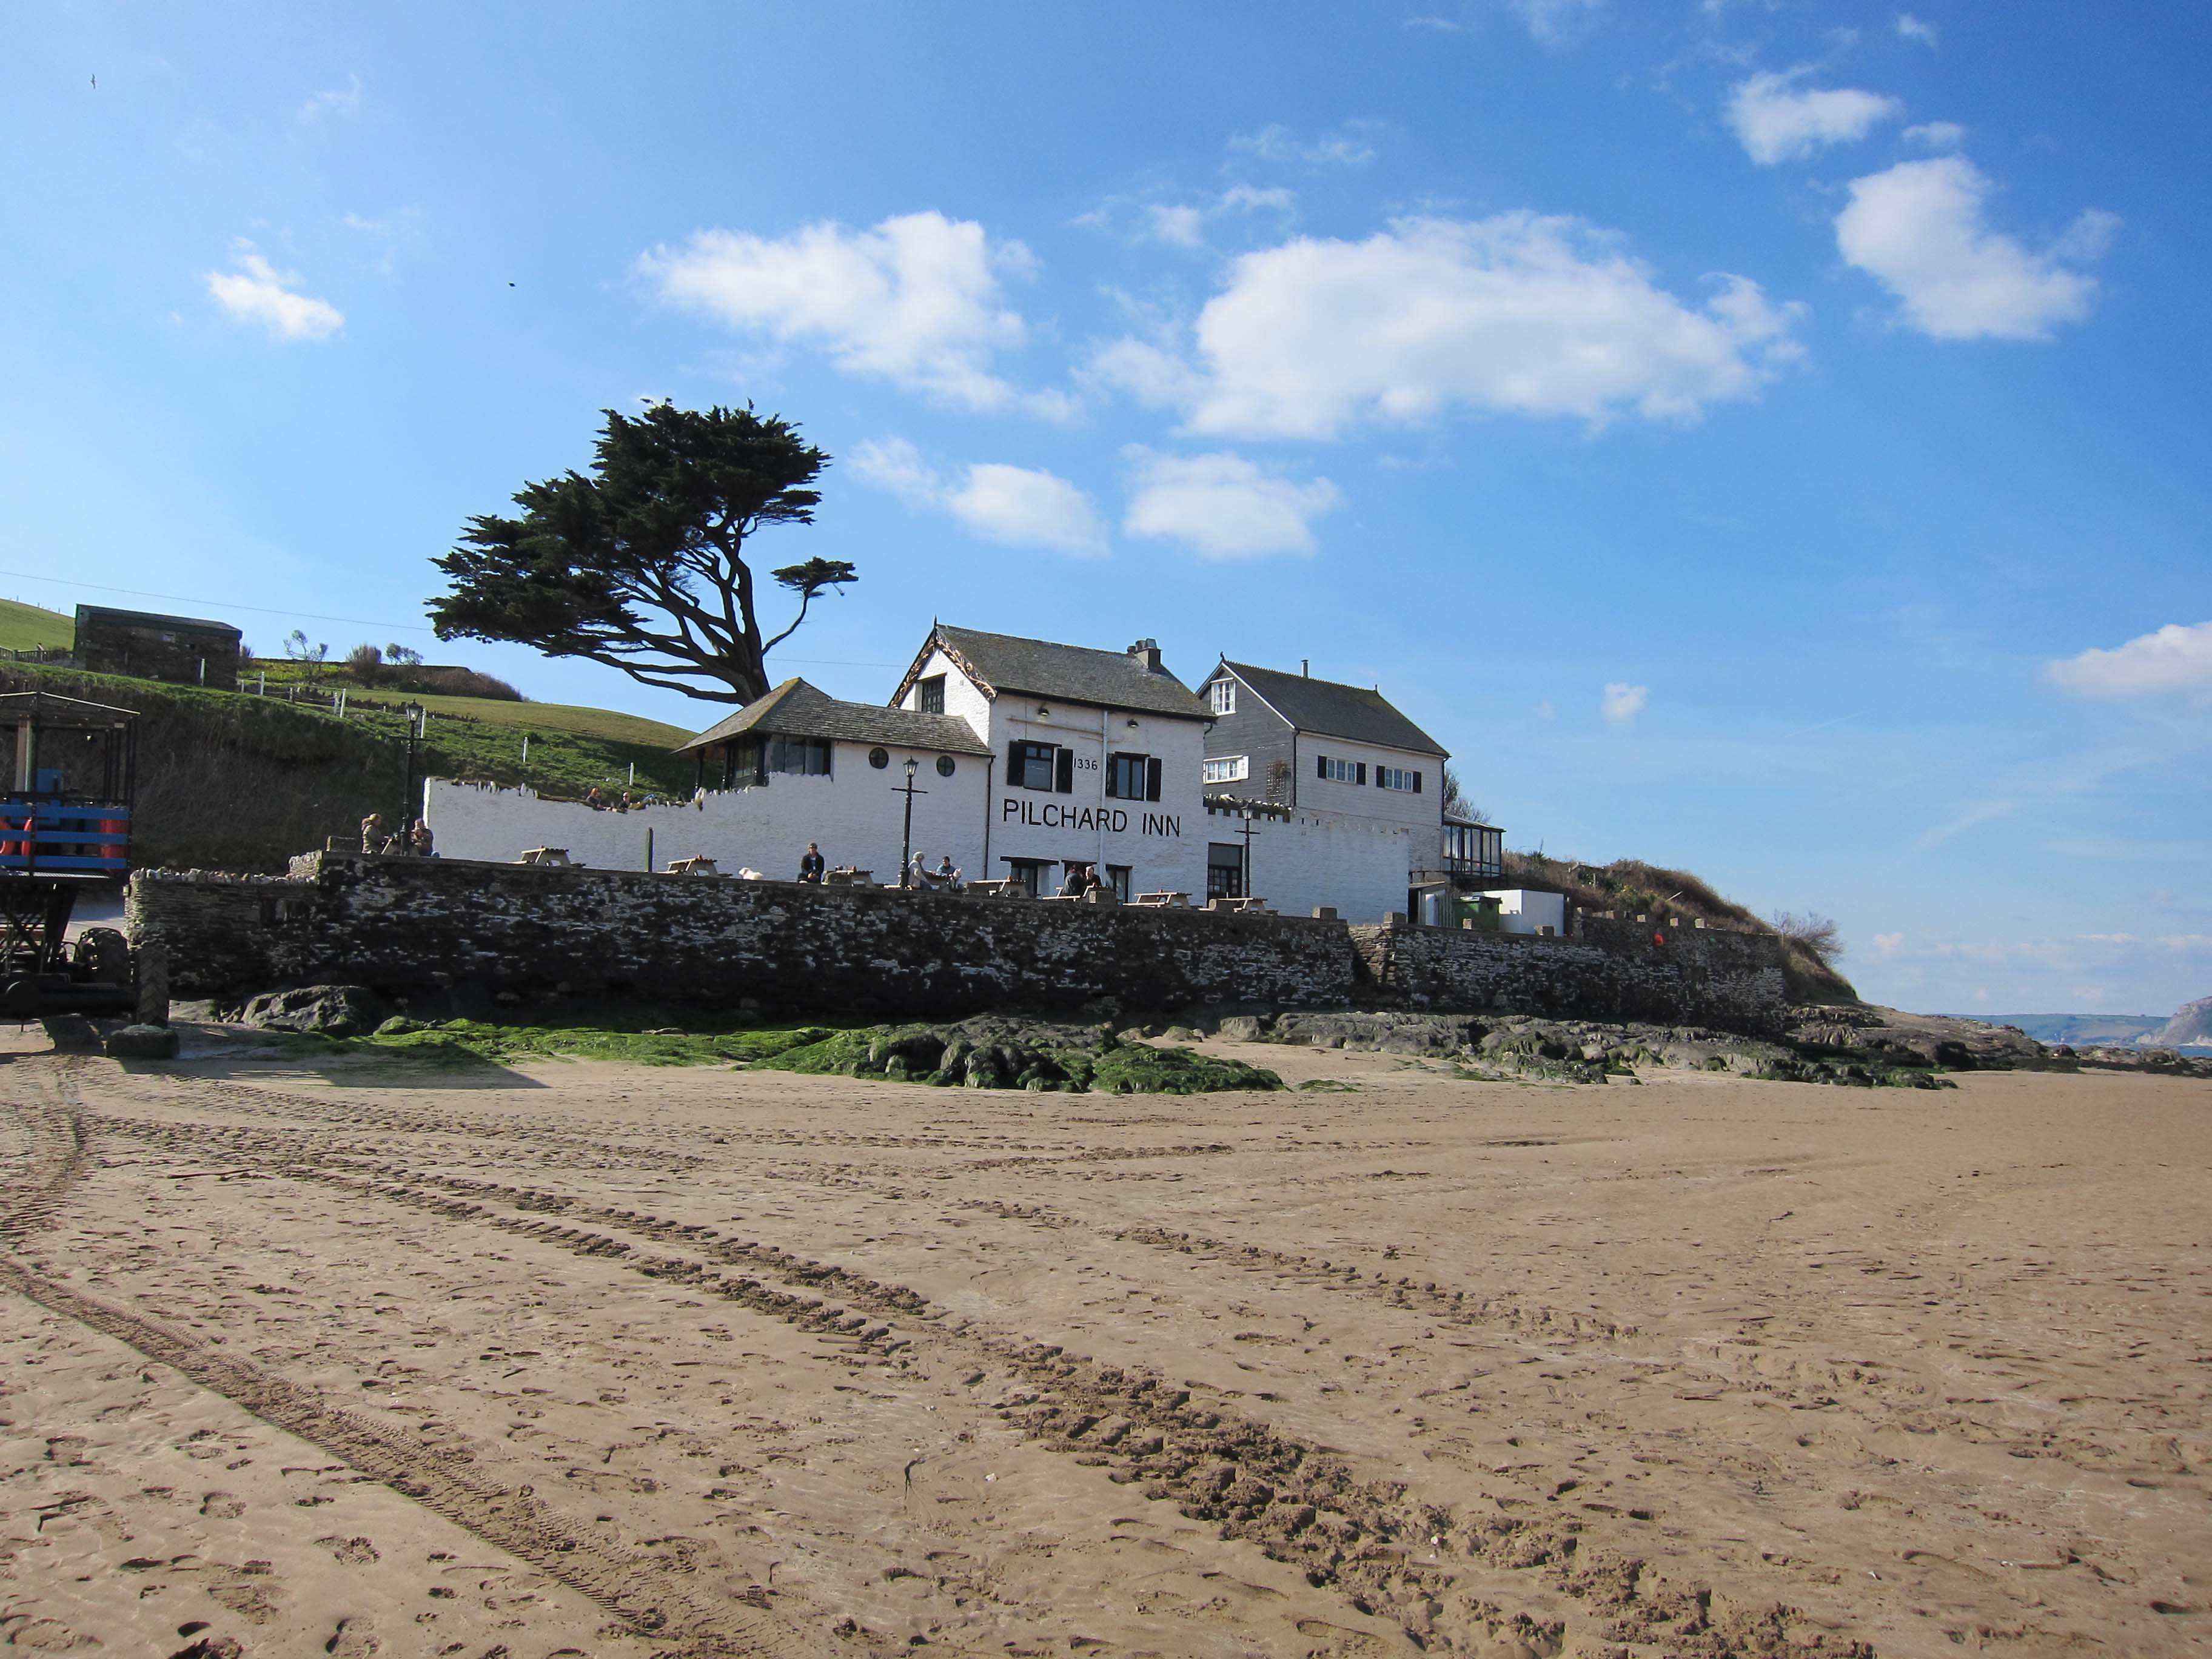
x,y
1031,765
1152,780
1363,772
1417,783
1321,766
1067,782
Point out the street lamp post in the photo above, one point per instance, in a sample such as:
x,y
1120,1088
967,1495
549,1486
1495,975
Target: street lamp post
x,y
906,835
412,713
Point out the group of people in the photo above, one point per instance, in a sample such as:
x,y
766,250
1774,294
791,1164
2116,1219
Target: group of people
x,y
601,802
404,842
1082,879
812,867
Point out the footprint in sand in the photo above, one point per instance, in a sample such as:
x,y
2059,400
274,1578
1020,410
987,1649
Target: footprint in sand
x,y
354,1638
351,1552
221,1506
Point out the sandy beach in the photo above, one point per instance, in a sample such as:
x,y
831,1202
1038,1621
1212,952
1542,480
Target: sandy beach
x,y
575,1359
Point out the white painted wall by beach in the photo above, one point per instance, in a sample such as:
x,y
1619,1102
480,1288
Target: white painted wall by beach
x,y
1356,867
1521,911
855,814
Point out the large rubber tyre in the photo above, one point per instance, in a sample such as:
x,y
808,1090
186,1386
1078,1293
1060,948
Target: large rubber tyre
x,y
20,998
106,953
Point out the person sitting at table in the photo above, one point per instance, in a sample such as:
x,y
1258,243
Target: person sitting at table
x,y
811,867
918,875
1073,887
946,875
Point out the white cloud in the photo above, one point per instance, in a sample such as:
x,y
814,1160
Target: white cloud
x,y
1222,505
1887,945
1919,229
333,101
1184,227
1777,120
1936,135
915,301
1557,20
256,294
1014,504
1624,701
1517,313
2172,659
1350,145
1432,25
1910,27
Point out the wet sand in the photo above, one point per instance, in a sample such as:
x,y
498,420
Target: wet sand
x,y
585,1359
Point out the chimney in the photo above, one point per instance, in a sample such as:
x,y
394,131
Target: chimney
x,y
1148,653
1305,667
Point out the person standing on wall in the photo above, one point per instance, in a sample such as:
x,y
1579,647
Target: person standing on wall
x,y
811,867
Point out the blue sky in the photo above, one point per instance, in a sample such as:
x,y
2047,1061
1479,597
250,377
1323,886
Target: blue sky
x,y
1762,437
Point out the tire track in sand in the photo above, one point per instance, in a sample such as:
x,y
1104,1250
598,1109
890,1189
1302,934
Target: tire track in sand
x,y
635,1590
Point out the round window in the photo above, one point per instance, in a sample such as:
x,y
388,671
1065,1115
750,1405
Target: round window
x,y
879,759
944,766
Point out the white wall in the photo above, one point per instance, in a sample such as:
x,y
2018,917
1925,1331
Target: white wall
x,y
855,813
1308,859
1521,911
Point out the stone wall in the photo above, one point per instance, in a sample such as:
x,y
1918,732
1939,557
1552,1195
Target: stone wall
x,y
1604,969
1358,867
411,927
422,928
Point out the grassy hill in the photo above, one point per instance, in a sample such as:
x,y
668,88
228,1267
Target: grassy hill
x,y
27,628
1632,887
232,779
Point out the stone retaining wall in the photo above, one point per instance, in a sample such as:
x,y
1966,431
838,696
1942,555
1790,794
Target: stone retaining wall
x,y
1602,970
412,928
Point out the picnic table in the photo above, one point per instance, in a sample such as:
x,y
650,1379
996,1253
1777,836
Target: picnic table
x,y
1175,901
545,855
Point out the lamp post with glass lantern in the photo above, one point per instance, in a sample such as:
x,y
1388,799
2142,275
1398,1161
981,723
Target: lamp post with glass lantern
x,y
906,835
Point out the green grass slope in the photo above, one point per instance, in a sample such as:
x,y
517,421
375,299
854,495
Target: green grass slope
x,y
1632,887
29,628
231,780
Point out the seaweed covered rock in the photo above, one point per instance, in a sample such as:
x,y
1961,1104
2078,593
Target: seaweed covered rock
x,y
994,1051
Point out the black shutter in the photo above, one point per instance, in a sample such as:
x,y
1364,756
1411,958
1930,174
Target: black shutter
x,y
1152,779
1382,777
1417,783
1363,772
1014,779
1321,766
1066,759
1114,775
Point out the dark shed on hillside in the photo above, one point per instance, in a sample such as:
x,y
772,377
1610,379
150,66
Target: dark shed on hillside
x,y
185,650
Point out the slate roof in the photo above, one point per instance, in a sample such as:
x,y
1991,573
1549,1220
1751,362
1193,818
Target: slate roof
x,y
1071,673
796,709
101,616
1352,712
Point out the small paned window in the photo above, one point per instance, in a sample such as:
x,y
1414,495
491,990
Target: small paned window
x,y
1031,765
1117,877
944,766
879,759
929,695
1230,769
1221,697
1400,778
804,756
1342,771
1133,777
1029,873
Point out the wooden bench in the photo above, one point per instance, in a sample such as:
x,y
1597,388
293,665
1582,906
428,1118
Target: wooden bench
x,y
1009,889
545,855
1172,901
692,867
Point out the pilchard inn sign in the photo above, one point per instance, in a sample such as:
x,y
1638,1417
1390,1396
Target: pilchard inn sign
x,y
1115,820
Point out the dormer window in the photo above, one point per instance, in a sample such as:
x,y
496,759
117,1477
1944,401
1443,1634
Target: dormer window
x,y
929,695
1221,697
